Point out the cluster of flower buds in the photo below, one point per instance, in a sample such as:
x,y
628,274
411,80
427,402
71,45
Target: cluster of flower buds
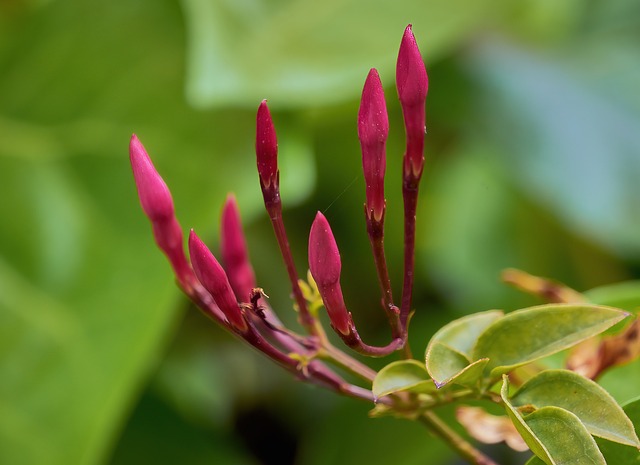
x,y
228,292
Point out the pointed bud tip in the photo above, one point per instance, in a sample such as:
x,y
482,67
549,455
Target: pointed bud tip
x,y
325,267
230,222
411,75
373,122
230,201
324,256
266,145
205,265
235,254
373,129
195,244
215,281
154,194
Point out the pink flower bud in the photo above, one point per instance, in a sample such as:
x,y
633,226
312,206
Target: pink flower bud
x,y
412,83
266,147
214,279
154,194
411,76
373,129
235,255
157,204
325,266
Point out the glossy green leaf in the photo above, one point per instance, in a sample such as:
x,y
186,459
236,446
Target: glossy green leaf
x,y
526,335
555,435
443,362
448,366
594,406
449,350
319,52
565,438
617,453
402,375
462,334
534,443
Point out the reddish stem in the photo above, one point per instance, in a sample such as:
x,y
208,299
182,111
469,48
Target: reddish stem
x,y
410,196
375,230
274,208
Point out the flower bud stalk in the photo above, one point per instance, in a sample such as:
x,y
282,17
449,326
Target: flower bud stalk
x,y
373,130
267,162
325,266
412,83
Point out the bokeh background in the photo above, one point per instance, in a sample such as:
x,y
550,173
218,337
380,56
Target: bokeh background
x,y
533,161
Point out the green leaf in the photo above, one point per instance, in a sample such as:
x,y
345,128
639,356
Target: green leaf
x,y
616,453
525,431
443,362
449,366
402,375
555,435
449,350
594,406
318,52
565,438
532,333
462,334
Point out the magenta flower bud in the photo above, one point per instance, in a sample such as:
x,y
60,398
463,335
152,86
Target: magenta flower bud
x,y
411,76
266,147
214,279
412,83
154,194
157,204
325,266
373,130
235,255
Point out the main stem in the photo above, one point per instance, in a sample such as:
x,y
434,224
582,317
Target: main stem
x,y
454,440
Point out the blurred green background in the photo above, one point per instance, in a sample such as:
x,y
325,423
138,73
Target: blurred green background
x,y
533,161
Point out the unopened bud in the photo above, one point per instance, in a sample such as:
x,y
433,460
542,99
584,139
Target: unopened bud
x,y
373,130
325,267
266,148
235,255
214,279
157,204
412,83
154,194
